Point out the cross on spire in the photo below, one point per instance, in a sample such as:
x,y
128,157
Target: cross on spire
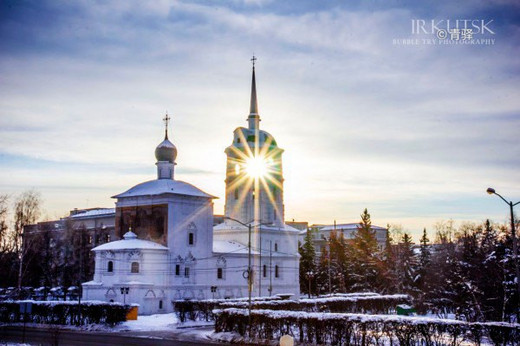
x,y
166,120
253,117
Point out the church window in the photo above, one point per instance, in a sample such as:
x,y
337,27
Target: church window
x,y
276,271
191,233
236,194
187,272
177,269
275,247
160,304
220,274
264,269
135,267
110,267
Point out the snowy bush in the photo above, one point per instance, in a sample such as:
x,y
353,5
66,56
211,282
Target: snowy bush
x,y
360,329
371,303
63,313
374,304
202,310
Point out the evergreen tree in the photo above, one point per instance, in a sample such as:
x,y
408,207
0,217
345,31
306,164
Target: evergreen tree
x,y
363,255
406,265
463,281
323,278
389,274
424,269
308,265
338,261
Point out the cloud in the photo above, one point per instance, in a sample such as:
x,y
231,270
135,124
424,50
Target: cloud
x,y
365,122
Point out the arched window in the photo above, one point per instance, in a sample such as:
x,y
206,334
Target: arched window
x,y
276,271
160,304
191,233
221,266
187,272
264,270
236,194
135,267
110,267
275,247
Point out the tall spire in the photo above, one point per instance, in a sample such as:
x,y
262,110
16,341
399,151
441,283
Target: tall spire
x,y
254,105
254,117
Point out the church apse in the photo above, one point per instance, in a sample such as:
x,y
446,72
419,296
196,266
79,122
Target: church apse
x,y
148,222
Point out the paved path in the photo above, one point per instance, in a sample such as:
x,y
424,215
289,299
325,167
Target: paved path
x,y
37,336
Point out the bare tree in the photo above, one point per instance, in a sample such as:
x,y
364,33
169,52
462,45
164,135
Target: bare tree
x,y
4,244
26,211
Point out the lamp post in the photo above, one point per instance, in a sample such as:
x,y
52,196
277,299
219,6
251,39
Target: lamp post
x,y
249,271
492,191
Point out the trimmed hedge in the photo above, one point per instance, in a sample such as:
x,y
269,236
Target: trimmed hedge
x,y
375,304
65,313
201,310
358,329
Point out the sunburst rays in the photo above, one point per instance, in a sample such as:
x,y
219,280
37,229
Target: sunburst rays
x,y
256,167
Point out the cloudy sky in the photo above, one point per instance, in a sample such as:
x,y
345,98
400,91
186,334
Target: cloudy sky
x,y
369,114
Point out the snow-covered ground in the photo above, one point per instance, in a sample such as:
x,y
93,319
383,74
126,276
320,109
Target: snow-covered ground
x,y
165,322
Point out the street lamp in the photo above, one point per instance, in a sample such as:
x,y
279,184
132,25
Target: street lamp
x,y
492,191
249,271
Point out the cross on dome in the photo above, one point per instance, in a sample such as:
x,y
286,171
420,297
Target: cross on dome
x,y
166,120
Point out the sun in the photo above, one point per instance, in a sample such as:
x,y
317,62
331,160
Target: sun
x,y
256,166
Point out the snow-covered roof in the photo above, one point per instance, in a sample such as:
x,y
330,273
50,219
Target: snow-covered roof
x,y
228,246
237,226
95,212
348,226
164,186
130,242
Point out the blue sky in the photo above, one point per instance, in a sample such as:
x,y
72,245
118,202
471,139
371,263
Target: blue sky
x,y
415,133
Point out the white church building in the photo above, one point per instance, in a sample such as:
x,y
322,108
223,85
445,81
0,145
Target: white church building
x,y
169,249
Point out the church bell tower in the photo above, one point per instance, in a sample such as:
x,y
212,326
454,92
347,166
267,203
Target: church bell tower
x,y
254,176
